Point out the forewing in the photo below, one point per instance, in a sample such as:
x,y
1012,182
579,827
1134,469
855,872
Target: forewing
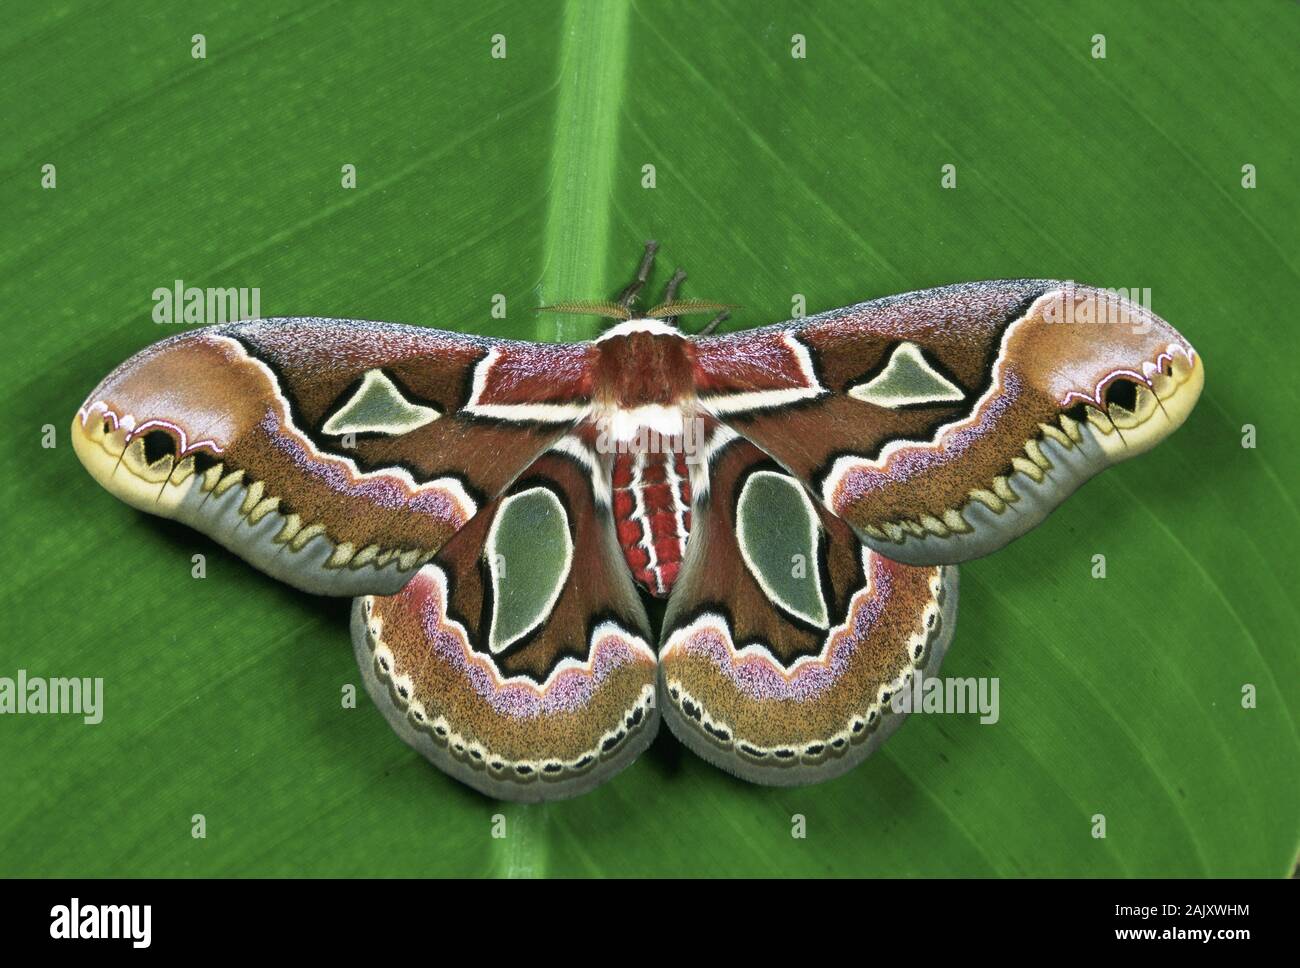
x,y
333,454
941,424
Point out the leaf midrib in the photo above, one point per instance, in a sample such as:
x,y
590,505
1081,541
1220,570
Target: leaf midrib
x,y
592,61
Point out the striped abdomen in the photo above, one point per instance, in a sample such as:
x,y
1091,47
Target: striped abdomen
x,y
652,511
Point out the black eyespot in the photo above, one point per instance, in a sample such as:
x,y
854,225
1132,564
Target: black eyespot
x,y
1123,393
203,461
1078,413
157,444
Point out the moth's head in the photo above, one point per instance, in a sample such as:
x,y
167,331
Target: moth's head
x,y
642,367
667,314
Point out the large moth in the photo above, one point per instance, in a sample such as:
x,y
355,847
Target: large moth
x,y
502,511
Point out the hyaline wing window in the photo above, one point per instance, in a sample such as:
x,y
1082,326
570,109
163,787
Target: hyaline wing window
x,y
907,380
779,534
529,554
379,407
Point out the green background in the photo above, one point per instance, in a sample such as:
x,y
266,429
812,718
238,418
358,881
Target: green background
x,y
774,176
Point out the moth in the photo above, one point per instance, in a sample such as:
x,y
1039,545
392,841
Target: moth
x,y
502,512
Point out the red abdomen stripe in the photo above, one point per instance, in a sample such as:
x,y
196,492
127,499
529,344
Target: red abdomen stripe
x,y
652,511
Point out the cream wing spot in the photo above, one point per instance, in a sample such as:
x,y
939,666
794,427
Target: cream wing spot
x,y
907,379
378,407
778,533
529,553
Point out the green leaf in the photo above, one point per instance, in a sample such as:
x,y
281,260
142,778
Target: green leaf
x,y
776,179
